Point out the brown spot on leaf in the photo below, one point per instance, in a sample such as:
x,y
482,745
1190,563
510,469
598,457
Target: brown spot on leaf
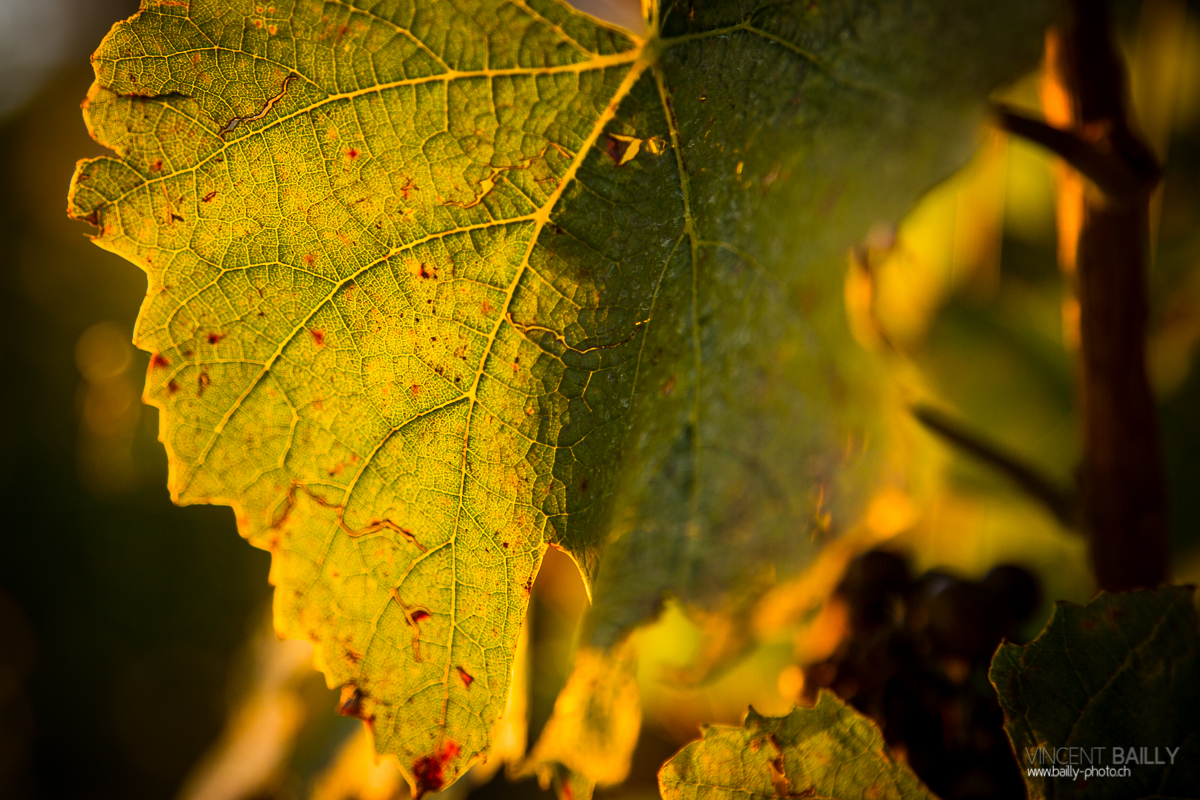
x,y
351,703
214,337
208,197
621,149
415,389
203,382
779,779
172,387
318,336
616,147
156,166
467,678
669,386
419,615
159,360
422,270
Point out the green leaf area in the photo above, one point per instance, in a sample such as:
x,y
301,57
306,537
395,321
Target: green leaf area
x,y
1113,686
828,751
436,285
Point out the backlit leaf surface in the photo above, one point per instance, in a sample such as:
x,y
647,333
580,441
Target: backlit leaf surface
x,y
828,751
434,285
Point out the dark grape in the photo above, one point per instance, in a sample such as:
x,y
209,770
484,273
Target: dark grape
x,y
963,621
1015,589
872,587
915,660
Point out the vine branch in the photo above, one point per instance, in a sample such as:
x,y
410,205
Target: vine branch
x,y
1122,483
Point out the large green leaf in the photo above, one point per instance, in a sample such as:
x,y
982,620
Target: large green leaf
x,y
828,751
1113,686
434,285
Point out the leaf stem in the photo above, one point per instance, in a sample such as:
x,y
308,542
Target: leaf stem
x,y
1058,501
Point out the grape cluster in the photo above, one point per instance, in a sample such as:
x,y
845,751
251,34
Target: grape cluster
x,y
915,659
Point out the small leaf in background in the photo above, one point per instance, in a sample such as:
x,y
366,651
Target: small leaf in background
x,y
827,751
1113,685
594,727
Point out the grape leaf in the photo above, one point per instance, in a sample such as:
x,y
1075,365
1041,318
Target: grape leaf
x,y
435,285
829,750
589,739
1113,685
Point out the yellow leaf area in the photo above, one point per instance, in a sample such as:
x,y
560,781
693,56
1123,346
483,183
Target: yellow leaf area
x,y
590,737
827,751
339,213
435,285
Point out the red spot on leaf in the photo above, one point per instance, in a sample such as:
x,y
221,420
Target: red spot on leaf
x,y
352,153
156,166
467,678
429,771
487,308
318,336
172,387
420,614
202,381
159,360
415,389
213,338
309,258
